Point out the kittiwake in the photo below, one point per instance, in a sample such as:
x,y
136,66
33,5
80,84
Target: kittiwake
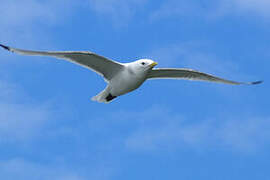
x,y
123,78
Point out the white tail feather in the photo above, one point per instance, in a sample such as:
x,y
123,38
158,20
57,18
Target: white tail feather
x,y
101,97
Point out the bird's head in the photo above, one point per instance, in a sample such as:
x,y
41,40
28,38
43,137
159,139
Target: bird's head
x,y
143,65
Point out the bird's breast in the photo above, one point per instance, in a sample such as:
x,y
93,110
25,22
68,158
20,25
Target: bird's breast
x,y
125,82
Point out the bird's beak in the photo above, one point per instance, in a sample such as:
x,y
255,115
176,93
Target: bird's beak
x,y
153,64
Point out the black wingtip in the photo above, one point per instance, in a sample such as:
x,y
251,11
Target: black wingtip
x,y
256,82
5,47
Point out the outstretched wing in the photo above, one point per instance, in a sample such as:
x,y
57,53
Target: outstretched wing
x,y
189,74
99,64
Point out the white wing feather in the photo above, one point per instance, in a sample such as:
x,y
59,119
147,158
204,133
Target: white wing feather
x,y
189,74
99,64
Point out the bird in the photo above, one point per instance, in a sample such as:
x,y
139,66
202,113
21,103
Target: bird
x,y
123,78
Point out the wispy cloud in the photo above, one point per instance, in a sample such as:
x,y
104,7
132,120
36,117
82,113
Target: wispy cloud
x,y
16,13
171,131
257,7
161,129
194,55
24,20
182,8
21,119
22,23
23,169
26,125
119,11
211,9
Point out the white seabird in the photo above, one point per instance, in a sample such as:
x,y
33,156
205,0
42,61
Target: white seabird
x,y
124,77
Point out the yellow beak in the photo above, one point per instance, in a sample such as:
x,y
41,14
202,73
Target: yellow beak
x,y
153,64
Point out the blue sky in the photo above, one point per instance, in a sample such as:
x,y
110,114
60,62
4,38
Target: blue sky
x,y
167,129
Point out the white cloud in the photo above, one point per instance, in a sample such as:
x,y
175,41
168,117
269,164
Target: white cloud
x,y
19,122
23,21
178,8
21,169
259,7
170,132
246,134
120,11
21,119
211,9
24,12
194,55
24,169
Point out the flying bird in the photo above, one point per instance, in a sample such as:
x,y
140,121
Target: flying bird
x,y
123,78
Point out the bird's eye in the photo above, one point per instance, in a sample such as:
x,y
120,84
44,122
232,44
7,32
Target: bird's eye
x,y
143,63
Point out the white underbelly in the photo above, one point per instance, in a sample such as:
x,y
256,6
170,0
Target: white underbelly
x,y
124,83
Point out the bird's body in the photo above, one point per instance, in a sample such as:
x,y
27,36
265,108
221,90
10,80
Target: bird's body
x,y
123,78
125,82
131,77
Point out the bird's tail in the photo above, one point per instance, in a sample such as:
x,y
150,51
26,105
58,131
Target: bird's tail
x,y
104,96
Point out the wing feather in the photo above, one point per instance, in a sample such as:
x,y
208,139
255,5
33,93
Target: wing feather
x,y
189,74
87,59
